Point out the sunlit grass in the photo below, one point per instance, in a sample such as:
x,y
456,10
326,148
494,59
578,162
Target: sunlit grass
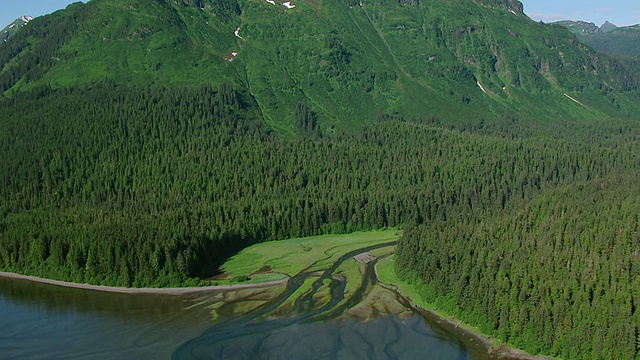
x,y
295,255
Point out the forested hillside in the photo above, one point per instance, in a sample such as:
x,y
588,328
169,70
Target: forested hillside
x,y
528,230
622,41
194,167
558,275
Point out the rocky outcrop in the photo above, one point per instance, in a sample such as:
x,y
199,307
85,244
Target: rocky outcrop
x,y
511,5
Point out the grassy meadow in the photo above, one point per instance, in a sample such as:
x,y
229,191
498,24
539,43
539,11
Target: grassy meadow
x,y
275,259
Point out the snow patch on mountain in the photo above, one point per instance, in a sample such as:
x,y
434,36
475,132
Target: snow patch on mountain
x,y
286,4
574,99
237,33
481,87
15,26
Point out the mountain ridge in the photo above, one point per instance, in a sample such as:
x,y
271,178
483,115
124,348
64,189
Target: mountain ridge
x,y
608,27
15,26
349,62
607,38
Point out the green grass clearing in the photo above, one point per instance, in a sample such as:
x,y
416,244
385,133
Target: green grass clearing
x,y
287,305
351,270
294,255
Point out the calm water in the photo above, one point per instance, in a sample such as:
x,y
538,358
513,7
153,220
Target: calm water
x,y
39,321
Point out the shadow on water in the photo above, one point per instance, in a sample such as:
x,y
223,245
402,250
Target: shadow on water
x,y
317,329
42,321
57,299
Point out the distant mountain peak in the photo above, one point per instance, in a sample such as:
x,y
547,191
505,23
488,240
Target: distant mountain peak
x,y
580,27
607,27
608,38
11,29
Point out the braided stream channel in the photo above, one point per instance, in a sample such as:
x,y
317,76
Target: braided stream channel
x,y
335,308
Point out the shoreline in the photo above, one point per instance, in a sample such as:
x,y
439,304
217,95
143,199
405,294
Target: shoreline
x,y
161,291
499,350
453,325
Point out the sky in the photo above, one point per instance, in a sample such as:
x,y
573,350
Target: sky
x,y
619,12
13,9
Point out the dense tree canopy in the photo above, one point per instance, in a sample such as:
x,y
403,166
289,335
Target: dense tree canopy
x,y
557,275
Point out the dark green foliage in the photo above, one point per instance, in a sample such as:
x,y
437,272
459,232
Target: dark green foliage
x,y
554,271
180,177
91,178
306,121
139,186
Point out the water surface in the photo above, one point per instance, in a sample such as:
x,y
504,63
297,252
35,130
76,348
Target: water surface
x,y
41,321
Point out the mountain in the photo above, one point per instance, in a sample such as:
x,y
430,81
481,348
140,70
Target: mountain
x,y
608,38
607,27
349,62
12,28
620,41
580,27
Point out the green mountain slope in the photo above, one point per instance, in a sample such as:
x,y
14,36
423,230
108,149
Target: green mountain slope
x,y
608,27
348,63
621,41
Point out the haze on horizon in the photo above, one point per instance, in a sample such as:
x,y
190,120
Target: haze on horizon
x,y
620,13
